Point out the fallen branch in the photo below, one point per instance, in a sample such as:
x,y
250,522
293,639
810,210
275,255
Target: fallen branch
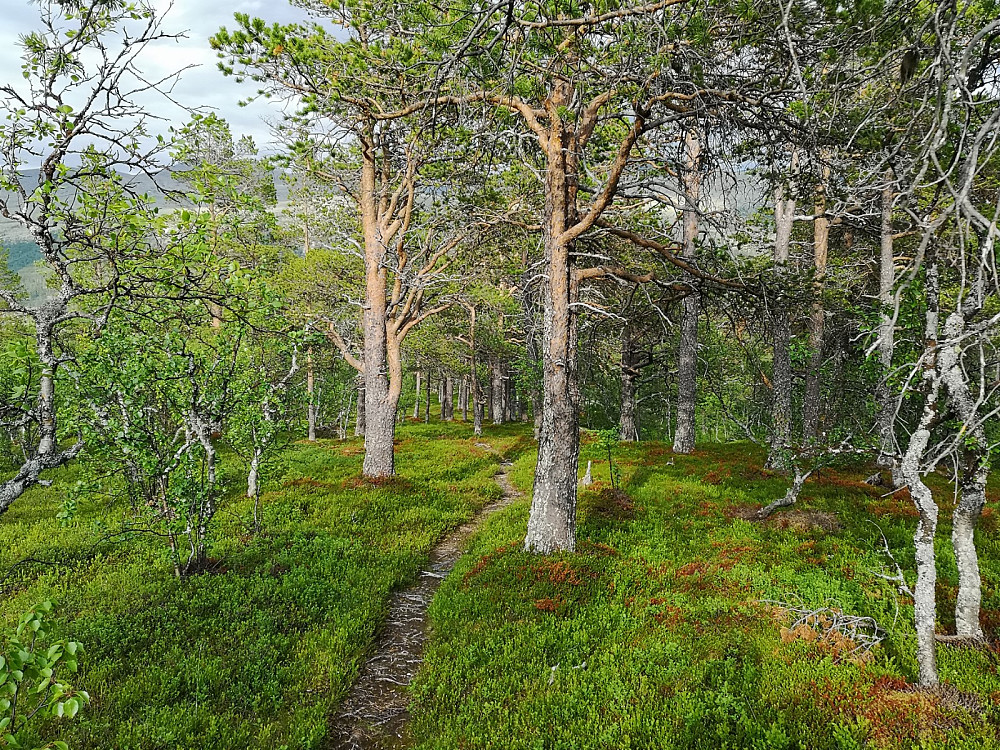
x,y
791,496
850,636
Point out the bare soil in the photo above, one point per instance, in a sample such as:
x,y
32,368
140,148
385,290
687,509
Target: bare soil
x,y
374,714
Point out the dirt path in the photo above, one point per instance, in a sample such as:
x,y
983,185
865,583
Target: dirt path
x,y
374,714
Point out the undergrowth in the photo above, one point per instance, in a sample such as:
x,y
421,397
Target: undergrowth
x,y
662,629
258,650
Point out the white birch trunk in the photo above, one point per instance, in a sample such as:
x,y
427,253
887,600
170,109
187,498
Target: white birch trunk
x,y
781,405
924,599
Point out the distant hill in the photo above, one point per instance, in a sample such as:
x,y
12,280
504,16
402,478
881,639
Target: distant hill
x,y
21,254
156,187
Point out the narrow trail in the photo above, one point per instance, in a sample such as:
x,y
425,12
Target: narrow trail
x,y
374,714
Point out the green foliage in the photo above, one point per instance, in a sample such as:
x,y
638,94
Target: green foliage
x,y
32,688
148,421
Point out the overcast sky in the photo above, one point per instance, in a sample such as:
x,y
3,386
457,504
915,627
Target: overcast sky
x,y
202,86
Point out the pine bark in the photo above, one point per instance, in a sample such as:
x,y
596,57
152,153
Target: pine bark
x,y
427,400
510,397
478,404
628,423
552,520
497,407
886,336
449,398
463,398
687,353
416,397
381,349
475,390
380,400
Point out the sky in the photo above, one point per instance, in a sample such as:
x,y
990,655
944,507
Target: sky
x,y
203,86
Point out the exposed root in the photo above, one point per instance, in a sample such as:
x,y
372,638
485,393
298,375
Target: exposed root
x,y
799,521
875,480
791,496
948,696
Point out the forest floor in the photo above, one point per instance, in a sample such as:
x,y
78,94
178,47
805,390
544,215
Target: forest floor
x,y
665,629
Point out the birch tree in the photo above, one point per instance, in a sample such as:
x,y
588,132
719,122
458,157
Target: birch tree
x,y
958,229
75,126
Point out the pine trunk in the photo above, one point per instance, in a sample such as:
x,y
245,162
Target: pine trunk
x,y
552,520
687,354
381,400
821,242
416,397
886,336
427,401
497,392
463,398
628,427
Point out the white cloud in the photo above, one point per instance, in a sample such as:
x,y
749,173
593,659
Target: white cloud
x,y
203,85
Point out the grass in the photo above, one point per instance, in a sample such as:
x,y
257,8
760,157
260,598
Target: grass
x,y
655,634
258,653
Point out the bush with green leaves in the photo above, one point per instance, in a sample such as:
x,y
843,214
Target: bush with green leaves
x,y
32,685
150,407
